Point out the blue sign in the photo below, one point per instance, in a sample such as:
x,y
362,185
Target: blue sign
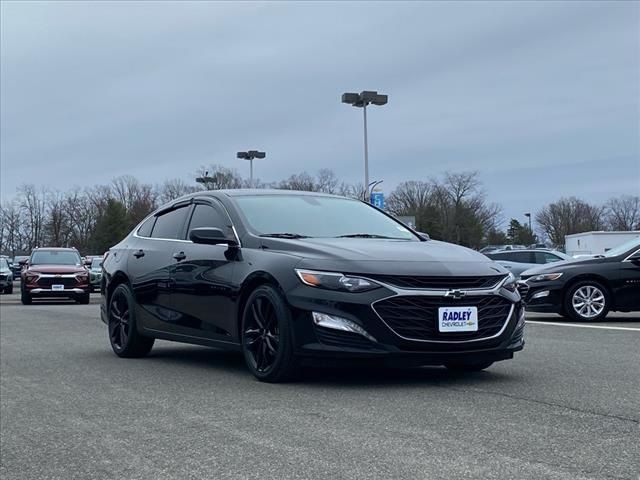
x,y
377,199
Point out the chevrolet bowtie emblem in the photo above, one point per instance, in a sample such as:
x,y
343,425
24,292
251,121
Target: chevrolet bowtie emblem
x,y
456,294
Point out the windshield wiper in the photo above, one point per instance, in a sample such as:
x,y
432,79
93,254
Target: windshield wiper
x,y
366,235
283,235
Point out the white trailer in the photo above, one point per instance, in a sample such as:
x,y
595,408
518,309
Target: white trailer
x,y
595,243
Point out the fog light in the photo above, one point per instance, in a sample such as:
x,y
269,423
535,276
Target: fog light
x,y
542,294
338,323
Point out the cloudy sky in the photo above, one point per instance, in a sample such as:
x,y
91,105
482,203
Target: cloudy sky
x,y
542,98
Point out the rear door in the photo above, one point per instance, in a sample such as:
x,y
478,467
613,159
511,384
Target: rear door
x,y
203,290
150,263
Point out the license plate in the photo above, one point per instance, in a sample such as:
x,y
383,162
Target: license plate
x,y
57,288
458,319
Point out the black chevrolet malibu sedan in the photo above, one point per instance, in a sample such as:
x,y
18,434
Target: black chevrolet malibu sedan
x,y
293,278
587,290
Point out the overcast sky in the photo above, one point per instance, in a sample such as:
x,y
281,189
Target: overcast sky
x,y
543,98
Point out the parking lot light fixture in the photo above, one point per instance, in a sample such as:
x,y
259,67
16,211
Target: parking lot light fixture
x,y
250,155
363,99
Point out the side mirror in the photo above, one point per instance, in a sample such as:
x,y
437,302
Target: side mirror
x,y
211,236
425,236
635,258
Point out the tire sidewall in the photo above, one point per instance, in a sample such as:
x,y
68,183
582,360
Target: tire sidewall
x,y
133,325
281,368
568,301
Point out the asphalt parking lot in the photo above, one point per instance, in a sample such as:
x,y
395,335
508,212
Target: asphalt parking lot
x,y
568,406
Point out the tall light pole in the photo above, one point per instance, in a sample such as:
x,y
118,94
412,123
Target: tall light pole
x,y
363,99
250,155
528,214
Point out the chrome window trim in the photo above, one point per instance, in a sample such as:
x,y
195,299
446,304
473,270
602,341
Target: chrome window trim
x,y
630,255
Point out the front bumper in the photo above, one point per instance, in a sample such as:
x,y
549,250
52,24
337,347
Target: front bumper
x,y
319,343
545,297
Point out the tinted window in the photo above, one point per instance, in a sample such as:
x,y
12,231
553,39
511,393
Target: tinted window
x,y
55,257
546,257
207,216
169,225
4,265
146,227
496,256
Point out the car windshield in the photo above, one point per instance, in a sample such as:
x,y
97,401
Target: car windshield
x,y
4,264
96,263
54,257
625,247
318,216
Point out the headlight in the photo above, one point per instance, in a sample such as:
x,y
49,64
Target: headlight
x,y
510,283
545,277
335,281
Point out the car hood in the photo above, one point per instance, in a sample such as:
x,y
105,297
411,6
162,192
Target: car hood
x,y
398,257
563,265
56,269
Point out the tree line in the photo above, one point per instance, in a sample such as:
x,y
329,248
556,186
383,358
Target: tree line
x,y
452,207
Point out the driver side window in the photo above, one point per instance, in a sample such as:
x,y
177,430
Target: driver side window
x,y
207,216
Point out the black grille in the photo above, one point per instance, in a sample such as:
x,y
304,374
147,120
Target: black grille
x,y
409,281
3,277
46,282
416,317
337,338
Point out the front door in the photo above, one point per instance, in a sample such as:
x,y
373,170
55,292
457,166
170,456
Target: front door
x,y
202,279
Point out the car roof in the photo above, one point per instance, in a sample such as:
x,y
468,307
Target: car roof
x,y
267,191
62,249
525,250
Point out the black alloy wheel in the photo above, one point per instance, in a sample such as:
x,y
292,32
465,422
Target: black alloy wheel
x,y
123,335
266,336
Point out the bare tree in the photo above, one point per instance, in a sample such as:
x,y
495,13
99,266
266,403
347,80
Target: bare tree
x,y
623,213
33,206
301,181
327,181
57,225
174,188
219,177
10,227
567,216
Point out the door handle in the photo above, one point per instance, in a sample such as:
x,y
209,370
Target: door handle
x,y
179,256
139,253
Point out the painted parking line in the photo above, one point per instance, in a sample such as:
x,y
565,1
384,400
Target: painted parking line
x,y
575,325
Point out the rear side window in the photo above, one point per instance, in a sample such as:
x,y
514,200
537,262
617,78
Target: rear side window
x,y
207,216
496,256
170,224
524,257
546,257
146,227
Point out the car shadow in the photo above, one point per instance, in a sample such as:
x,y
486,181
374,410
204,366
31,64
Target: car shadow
x,y
336,375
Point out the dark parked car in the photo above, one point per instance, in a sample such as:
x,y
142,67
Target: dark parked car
x,y
290,278
587,289
18,263
95,273
55,273
6,276
517,261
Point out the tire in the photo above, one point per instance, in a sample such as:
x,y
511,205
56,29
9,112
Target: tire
x,y
84,299
124,337
9,289
267,336
463,367
587,301
25,298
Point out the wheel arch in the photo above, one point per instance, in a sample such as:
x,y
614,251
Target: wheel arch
x,y
118,278
594,277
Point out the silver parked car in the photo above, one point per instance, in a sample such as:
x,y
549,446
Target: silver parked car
x,y
517,261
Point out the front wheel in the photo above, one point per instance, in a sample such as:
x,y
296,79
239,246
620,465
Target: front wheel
x,y
267,340
587,301
25,298
125,339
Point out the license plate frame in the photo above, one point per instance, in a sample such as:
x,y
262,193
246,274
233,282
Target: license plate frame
x,y
57,288
462,319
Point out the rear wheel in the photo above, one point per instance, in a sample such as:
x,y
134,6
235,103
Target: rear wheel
x,y
125,339
468,366
587,301
267,340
